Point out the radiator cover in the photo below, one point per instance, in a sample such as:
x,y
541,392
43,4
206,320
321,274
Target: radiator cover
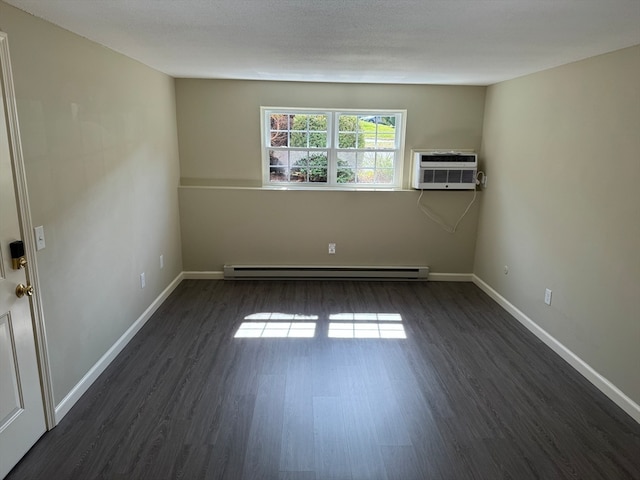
x,y
322,272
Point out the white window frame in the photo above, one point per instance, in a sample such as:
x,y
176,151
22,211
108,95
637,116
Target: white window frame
x,y
332,148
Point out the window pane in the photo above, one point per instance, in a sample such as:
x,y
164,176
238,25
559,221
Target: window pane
x,y
384,160
366,176
279,129
277,121
376,131
309,130
317,139
346,175
384,176
318,123
390,120
347,140
348,123
350,132
366,160
298,159
299,122
279,139
386,140
318,175
347,159
346,167
318,167
318,159
298,174
298,139
278,157
368,137
277,174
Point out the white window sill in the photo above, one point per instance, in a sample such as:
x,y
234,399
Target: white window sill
x,y
212,183
281,188
332,189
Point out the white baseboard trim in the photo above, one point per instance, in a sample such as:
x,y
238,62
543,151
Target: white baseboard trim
x,y
450,277
100,366
433,277
600,382
203,275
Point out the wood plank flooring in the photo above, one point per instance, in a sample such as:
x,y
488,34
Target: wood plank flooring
x,y
468,394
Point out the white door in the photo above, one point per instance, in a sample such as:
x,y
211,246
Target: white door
x,y
21,407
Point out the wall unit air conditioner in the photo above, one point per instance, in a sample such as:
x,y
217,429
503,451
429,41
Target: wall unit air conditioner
x,y
436,170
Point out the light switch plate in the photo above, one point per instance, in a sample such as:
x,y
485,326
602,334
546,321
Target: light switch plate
x,y
38,233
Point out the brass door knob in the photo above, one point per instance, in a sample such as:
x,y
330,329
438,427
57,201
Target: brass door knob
x,y
22,290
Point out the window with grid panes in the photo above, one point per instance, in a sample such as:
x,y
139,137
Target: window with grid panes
x,y
332,148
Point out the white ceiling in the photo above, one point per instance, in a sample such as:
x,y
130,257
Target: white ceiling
x,y
472,42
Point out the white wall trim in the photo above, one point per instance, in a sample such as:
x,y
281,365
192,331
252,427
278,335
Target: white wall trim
x,y
450,277
600,382
213,275
100,366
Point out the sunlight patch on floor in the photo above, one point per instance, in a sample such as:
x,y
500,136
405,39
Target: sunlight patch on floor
x,y
366,330
276,330
341,325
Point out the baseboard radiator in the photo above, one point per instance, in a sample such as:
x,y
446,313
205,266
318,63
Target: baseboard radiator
x,y
321,272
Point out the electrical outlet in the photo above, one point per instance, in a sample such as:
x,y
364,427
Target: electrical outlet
x,y
332,249
161,262
547,296
484,181
143,280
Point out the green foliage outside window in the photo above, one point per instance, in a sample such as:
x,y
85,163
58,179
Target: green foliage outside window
x,y
314,170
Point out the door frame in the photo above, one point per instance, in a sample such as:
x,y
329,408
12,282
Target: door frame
x,y
26,227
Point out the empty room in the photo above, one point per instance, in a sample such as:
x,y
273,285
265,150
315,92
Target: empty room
x,y
319,240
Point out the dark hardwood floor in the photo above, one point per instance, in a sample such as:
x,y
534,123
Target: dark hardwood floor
x,y
468,394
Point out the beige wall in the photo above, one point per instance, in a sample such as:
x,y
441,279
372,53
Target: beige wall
x,y
562,209
100,146
254,226
219,132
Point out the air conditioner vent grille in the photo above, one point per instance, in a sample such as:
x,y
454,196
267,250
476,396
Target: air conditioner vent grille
x,y
463,176
468,176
